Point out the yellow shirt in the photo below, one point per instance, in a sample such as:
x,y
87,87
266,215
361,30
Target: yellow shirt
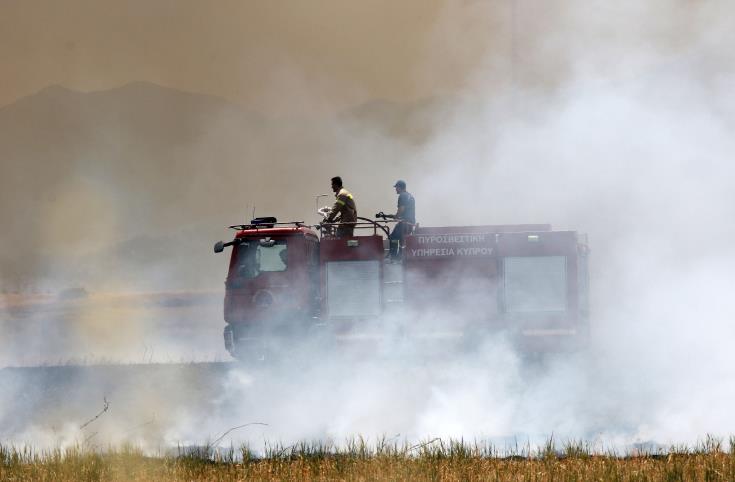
x,y
344,206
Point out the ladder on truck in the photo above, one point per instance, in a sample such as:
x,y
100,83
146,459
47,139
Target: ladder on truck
x,y
392,284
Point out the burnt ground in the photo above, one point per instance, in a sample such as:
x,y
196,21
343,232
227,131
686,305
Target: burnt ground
x,y
125,399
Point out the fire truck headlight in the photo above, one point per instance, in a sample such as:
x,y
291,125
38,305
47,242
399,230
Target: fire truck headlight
x,y
263,299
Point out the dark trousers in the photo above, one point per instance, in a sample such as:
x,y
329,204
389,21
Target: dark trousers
x,y
396,237
345,230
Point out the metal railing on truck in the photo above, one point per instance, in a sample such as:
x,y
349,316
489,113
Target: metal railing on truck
x,y
329,229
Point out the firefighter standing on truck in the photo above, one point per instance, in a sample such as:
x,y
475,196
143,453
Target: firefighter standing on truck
x,y
406,216
344,210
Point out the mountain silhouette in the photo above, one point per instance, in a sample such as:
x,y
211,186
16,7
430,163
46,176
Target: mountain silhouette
x,y
137,181
72,160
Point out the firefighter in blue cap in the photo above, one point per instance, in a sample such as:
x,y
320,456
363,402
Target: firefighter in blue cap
x,y
406,216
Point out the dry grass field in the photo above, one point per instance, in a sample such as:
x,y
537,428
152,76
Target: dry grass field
x,y
431,461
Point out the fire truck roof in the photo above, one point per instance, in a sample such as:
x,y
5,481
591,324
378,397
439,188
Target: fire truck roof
x,y
497,228
288,230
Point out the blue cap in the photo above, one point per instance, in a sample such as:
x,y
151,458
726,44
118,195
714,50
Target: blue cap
x,y
401,184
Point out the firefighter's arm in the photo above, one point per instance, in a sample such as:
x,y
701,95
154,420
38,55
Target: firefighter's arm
x,y
399,213
335,209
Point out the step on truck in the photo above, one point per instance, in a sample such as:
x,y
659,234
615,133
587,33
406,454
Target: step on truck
x,y
289,282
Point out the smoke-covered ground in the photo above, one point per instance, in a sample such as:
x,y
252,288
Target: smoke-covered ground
x,y
616,121
397,392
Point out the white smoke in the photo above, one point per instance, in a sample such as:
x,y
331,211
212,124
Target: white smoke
x,y
618,124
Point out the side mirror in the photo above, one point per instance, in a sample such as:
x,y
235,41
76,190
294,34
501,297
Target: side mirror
x,y
219,246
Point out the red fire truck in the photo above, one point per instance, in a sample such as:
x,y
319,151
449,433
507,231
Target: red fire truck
x,y
288,281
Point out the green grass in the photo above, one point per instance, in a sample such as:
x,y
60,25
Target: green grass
x,y
357,460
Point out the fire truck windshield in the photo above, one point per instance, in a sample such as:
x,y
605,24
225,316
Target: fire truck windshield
x,y
253,258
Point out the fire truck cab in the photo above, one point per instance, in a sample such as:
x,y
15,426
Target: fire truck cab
x,y
272,286
286,282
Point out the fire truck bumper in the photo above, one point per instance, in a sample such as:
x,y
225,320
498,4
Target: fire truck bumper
x,y
259,341
229,339
551,340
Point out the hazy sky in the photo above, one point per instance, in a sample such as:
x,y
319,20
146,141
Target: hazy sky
x,y
255,53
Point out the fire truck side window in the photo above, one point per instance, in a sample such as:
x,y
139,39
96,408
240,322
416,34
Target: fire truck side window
x,y
254,258
535,283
